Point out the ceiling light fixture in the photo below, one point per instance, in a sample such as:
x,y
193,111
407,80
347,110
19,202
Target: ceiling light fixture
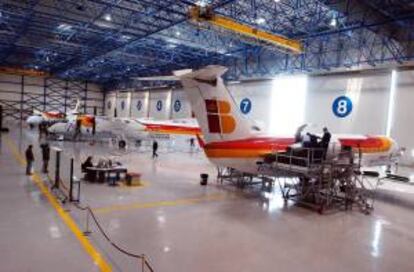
x,y
108,17
260,21
64,27
333,22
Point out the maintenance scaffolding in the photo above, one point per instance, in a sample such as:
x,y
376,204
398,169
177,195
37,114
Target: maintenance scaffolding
x,y
306,177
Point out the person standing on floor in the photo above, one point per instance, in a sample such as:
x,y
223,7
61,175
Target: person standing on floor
x,y
29,160
45,157
154,149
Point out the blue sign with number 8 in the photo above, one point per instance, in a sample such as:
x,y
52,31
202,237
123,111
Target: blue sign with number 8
x,y
246,106
342,106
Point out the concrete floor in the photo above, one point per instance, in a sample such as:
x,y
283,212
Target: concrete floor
x,y
182,226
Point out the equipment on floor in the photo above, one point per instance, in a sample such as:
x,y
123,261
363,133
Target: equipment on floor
x,y
203,179
133,179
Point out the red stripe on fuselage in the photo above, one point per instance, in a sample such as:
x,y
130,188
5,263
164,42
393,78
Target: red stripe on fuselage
x,y
270,143
173,129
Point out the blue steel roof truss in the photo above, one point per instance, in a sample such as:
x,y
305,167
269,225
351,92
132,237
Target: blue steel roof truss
x,y
111,41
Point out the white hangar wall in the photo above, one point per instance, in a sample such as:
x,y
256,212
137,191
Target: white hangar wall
x,y
369,96
20,95
402,124
160,104
280,105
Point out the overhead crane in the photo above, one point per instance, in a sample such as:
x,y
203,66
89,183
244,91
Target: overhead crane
x,y
23,72
200,14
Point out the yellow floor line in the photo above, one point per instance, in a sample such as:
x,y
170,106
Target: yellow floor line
x,y
188,201
86,244
123,186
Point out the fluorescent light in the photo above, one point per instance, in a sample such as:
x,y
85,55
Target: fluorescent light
x,y
64,27
125,38
234,82
201,3
177,33
108,17
277,1
333,22
260,21
391,102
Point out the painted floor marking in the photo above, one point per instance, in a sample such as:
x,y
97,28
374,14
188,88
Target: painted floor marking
x,y
170,203
67,219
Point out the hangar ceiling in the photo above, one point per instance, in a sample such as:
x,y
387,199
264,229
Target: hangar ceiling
x,y
110,41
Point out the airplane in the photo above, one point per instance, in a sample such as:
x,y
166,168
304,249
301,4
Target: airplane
x,y
50,117
231,140
126,128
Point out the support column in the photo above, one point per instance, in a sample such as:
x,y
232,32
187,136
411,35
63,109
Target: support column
x,y
21,98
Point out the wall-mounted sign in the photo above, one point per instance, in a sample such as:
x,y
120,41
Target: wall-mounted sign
x,y
122,105
109,104
139,105
245,105
159,105
342,106
177,105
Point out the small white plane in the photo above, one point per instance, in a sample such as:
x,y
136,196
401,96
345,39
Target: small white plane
x,y
231,140
51,117
125,128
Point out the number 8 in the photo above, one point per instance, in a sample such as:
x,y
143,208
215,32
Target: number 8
x,y
342,107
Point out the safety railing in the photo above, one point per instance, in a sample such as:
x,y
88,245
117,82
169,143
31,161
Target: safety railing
x,y
65,193
142,258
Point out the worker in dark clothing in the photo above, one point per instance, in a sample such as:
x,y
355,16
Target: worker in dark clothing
x,y
90,174
29,160
45,157
154,149
77,128
324,143
192,142
326,138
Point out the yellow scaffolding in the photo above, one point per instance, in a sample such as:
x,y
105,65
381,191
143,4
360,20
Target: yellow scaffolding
x,y
205,14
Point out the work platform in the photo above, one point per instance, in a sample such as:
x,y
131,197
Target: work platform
x,y
305,177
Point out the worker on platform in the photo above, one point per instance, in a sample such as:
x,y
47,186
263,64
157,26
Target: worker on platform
x,y
326,138
45,157
154,149
29,160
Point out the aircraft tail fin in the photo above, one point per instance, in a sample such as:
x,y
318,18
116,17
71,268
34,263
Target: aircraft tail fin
x,y
217,113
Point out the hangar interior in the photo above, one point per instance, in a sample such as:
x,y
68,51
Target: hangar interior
x,y
170,185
